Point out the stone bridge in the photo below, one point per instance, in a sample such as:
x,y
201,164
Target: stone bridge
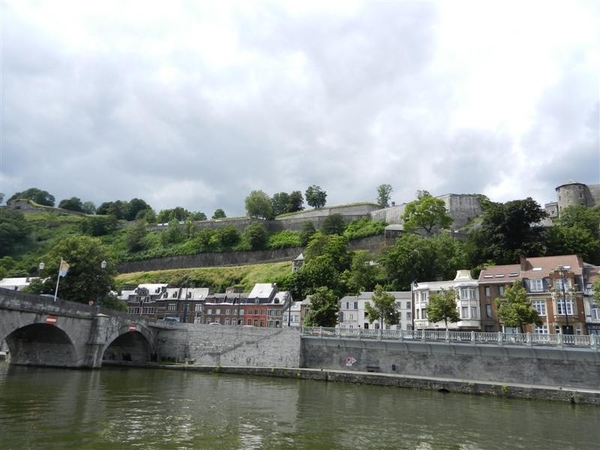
x,y
42,332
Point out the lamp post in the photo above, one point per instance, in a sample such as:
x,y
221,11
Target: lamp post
x,y
562,270
103,265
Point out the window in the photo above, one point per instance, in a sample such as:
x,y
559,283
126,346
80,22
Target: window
x,y
464,312
539,306
409,316
488,291
560,310
560,283
226,321
501,291
488,310
172,307
536,285
218,311
249,322
355,305
422,296
408,305
399,316
474,312
541,330
595,312
467,293
347,305
418,311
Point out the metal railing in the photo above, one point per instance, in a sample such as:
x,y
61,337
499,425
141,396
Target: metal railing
x,y
457,337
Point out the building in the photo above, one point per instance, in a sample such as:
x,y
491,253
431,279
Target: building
x,y
555,288
294,315
573,193
590,304
15,284
224,309
467,303
352,312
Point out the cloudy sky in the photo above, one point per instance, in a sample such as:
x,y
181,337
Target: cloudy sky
x,y
196,104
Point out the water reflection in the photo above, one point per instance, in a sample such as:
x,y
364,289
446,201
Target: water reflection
x,y
161,409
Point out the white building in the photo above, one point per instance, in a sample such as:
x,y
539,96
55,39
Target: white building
x,y
15,284
467,302
352,311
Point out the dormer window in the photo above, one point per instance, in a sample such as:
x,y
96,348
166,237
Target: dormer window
x,y
536,285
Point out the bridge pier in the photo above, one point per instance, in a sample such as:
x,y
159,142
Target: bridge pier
x,y
95,345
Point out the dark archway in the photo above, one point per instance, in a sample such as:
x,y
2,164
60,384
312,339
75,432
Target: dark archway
x,y
131,346
41,345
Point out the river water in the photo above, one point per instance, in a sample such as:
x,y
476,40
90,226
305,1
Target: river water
x,y
116,408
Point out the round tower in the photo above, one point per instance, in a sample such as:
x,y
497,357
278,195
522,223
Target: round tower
x,y
572,193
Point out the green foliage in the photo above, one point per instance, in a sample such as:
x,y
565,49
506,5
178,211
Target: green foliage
x,y
71,204
333,224
228,237
364,227
570,240
442,306
89,207
14,231
383,195
307,232
426,213
256,236
85,280
219,214
333,249
323,309
172,235
37,195
514,310
134,237
284,239
296,202
508,231
259,206
315,196
364,273
382,308
280,203
414,257
99,225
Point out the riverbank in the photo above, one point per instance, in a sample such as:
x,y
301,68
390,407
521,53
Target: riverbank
x,y
507,390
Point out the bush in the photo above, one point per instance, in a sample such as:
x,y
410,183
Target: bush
x,y
364,228
284,239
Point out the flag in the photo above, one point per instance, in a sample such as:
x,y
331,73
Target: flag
x,y
64,268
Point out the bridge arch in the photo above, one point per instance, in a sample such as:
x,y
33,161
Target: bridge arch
x,y
40,344
127,345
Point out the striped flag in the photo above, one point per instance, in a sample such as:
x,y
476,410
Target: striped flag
x,y
64,268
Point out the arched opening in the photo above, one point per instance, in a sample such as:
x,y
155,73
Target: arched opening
x,y
41,345
131,346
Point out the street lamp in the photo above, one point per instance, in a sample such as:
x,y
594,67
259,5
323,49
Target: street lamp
x,y
103,265
562,270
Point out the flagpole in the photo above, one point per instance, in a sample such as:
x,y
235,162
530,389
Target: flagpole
x,y
58,279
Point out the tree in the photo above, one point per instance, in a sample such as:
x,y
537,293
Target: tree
x,y
514,310
36,195
219,214
256,236
442,306
364,273
1,197
229,237
134,237
426,213
383,195
333,224
86,279
315,196
280,203
117,209
99,225
323,309
199,215
296,201
71,204
564,240
508,231
89,207
382,308
307,232
135,209
14,231
258,205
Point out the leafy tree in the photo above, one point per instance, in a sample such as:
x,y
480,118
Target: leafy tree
x,y
219,214
563,240
89,207
203,239
199,215
37,195
134,237
315,196
258,205
364,273
135,209
332,249
296,201
364,227
1,197
514,310
578,216
14,231
99,225
426,213
86,279
333,224
167,215
256,236
280,203
415,257
383,195
442,306
172,235
307,232
71,204
323,309
228,236
117,209
507,231
382,308
149,217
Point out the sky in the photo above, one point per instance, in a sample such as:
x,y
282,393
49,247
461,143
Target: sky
x,y
197,104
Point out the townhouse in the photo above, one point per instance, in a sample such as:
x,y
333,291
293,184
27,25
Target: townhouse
x,y
352,312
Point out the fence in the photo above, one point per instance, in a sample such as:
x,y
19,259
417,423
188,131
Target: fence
x,y
457,337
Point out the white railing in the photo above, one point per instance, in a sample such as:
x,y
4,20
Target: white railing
x,y
462,337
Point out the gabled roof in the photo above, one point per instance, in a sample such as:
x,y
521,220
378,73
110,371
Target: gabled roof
x,y
500,274
263,290
540,267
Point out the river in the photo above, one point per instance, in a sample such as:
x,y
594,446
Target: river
x,y
119,408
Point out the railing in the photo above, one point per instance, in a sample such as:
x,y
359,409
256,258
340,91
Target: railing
x,y
457,337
